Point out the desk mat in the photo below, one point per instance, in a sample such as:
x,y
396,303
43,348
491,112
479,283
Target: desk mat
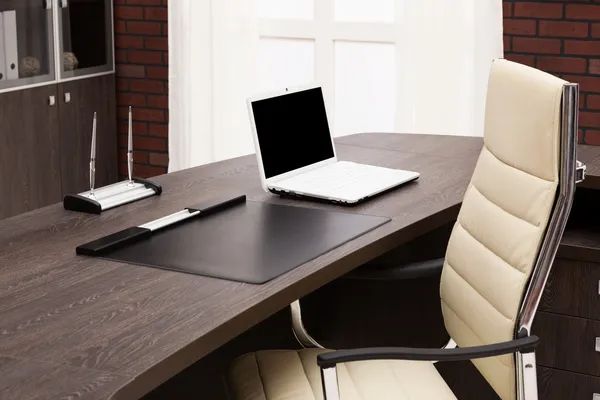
x,y
252,242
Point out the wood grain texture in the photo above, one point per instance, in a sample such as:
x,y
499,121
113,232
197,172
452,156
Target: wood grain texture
x,y
29,151
581,240
149,324
572,289
88,96
567,343
35,380
554,384
590,156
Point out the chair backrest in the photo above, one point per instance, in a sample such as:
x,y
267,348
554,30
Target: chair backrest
x,y
503,219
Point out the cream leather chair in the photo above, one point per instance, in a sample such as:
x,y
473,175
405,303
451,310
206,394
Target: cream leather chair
x,y
497,262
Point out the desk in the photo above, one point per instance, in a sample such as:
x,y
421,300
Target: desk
x,y
82,328
95,329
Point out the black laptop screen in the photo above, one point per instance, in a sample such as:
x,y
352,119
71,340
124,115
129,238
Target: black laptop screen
x,y
292,131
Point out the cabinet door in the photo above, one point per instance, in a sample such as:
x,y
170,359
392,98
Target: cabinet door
x,y
29,151
26,43
85,37
79,99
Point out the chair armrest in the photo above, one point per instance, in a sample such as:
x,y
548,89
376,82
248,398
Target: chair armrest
x,y
523,345
414,270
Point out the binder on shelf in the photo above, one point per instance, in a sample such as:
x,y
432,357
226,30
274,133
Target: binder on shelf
x,y
2,55
11,51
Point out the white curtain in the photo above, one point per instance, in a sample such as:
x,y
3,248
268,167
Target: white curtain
x,y
445,58
449,50
212,44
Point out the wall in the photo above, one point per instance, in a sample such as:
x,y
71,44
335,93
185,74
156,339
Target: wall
x,y
142,82
563,38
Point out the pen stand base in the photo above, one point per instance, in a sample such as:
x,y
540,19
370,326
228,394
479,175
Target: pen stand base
x,y
111,196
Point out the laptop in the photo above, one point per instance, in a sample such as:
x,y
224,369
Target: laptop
x,y
296,154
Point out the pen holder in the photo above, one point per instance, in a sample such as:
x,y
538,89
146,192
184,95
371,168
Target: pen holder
x,y
94,201
111,196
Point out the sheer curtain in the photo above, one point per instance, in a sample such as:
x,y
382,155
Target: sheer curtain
x,y
449,50
212,45
443,57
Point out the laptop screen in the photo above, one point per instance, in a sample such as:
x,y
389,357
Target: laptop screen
x,y
292,131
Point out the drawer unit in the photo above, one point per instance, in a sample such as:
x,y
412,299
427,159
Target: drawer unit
x,y
555,384
568,343
573,289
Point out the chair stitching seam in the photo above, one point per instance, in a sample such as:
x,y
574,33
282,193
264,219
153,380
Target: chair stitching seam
x,y
260,376
474,333
352,380
477,291
503,209
312,389
408,396
513,166
490,250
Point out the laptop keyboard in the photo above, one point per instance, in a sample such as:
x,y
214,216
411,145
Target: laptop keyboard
x,y
336,176
345,180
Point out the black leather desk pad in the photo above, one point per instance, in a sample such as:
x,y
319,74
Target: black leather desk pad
x,y
252,242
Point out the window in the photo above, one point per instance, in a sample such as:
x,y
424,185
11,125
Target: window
x,y
351,47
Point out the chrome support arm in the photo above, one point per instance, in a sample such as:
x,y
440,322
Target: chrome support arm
x,y
527,376
329,379
302,336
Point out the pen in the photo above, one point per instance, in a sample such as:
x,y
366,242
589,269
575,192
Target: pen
x,y
130,149
93,158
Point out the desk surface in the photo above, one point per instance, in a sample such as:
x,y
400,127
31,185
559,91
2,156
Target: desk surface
x,y
90,328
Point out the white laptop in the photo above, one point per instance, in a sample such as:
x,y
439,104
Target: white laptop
x,y
296,154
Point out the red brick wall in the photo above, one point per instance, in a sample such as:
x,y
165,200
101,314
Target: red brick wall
x,y
142,82
563,38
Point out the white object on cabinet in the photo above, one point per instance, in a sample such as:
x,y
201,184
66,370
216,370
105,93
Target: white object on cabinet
x,y
11,52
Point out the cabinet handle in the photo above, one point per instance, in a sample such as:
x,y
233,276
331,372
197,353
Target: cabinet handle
x,y
52,101
67,97
596,396
64,3
48,4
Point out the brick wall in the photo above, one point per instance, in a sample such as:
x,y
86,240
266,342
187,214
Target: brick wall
x,y
142,82
563,38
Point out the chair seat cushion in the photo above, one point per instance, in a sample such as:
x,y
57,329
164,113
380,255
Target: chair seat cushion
x,y
295,375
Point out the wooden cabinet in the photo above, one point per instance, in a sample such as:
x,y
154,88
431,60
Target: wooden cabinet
x,y
45,141
29,151
568,320
45,131
554,384
84,97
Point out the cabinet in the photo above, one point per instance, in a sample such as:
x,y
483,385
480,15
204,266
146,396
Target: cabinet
x,y
86,97
29,151
56,70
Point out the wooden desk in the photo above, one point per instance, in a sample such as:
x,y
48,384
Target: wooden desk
x,y
89,328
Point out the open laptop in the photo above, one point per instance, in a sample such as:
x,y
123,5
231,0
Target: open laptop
x,y
296,154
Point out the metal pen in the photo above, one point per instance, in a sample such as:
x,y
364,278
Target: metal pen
x,y
93,158
130,148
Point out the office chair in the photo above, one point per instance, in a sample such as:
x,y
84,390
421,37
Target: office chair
x,y
497,262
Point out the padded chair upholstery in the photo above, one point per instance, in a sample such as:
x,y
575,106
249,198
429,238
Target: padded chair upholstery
x,y
294,375
504,215
489,260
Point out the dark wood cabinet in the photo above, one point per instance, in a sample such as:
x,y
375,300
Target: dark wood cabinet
x,y
45,137
554,384
86,96
29,150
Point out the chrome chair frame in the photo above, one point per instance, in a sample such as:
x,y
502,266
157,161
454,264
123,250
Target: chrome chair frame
x,y
571,172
